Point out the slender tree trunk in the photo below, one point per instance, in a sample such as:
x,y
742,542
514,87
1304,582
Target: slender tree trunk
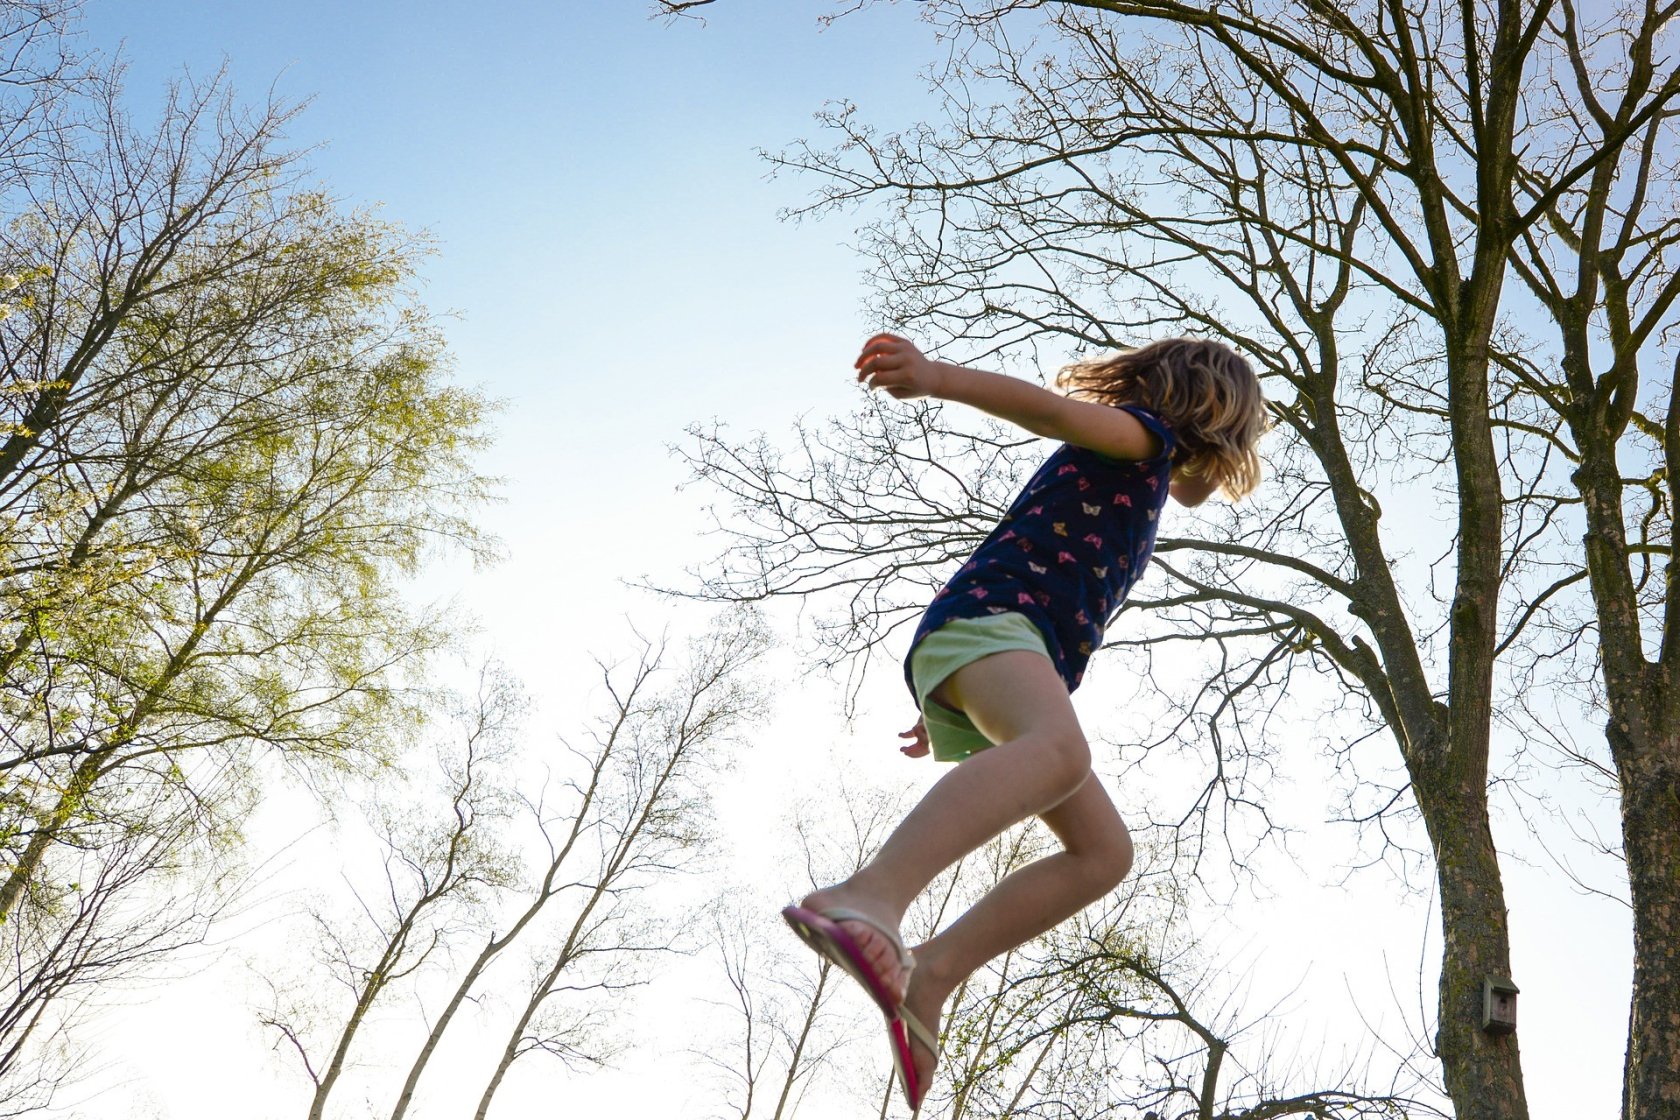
x,y
494,947
510,1051
47,830
324,1087
1643,734
1650,780
543,989
788,1082
1483,1071
485,956
379,977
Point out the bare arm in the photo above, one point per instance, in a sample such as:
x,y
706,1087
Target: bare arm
x,y
897,366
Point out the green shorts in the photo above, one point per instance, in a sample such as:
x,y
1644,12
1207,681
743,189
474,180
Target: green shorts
x,y
955,644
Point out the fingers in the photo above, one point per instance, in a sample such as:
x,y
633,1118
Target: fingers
x,y
892,364
877,359
883,339
888,347
886,374
920,746
876,346
890,371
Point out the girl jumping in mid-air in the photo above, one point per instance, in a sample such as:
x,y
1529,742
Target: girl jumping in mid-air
x,y
1006,641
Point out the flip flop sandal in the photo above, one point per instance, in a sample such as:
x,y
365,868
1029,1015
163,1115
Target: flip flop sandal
x,y
902,1030
823,933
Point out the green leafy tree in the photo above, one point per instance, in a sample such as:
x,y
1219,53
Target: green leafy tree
x,y
226,431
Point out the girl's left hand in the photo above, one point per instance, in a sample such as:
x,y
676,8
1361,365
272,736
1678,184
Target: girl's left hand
x,y
894,364
920,746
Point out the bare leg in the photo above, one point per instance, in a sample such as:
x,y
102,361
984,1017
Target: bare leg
x,y
1018,701
1038,897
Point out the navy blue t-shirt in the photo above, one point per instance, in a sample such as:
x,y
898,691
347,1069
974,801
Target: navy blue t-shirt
x,y
1067,552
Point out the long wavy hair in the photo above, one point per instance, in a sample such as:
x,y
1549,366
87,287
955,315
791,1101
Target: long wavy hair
x,y
1204,391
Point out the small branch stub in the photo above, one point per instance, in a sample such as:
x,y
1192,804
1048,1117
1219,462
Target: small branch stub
x,y
1499,1005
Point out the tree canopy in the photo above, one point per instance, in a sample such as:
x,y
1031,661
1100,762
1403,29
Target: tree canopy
x,y
226,431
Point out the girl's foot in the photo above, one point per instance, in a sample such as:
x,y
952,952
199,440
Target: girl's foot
x,y
926,1001
883,955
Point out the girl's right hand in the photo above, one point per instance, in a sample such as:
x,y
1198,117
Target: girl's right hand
x,y
920,746
894,364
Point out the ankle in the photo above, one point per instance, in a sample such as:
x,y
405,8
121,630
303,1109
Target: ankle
x,y
880,895
855,893
934,968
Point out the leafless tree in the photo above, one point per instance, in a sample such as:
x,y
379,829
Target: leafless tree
x,y
780,1005
565,834
1343,193
789,1031
39,75
459,901
1600,260
443,863
639,817
1117,1014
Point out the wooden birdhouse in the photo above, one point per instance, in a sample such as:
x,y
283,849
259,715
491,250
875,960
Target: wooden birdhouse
x,y
1499,1005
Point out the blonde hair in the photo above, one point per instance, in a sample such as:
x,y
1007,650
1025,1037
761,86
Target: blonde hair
x,y
1204,391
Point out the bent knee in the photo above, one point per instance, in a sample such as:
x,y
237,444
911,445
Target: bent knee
x,y
1109,862
1067,758
1120,858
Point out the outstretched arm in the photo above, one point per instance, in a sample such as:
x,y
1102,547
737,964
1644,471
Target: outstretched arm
x,y
898,367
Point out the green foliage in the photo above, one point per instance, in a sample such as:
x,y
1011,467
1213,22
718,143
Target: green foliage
x,y
226,429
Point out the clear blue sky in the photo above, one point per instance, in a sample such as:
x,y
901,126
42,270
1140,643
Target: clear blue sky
x,y
606,231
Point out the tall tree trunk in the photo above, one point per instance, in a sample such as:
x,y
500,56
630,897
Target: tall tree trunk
x,y
1650,835
341,1052
1643,734
447,1016
1483,1071
505,1062
1650,781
